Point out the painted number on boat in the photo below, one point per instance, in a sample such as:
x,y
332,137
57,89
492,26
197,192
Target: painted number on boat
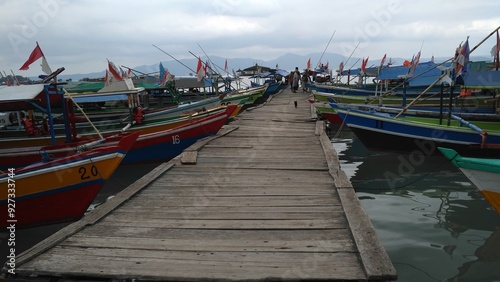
x,y
176,139
84,174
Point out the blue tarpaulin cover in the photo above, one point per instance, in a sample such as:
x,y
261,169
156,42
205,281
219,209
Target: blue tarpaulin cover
x,y
480,79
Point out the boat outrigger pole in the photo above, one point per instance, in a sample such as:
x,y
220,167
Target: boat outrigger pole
x,y
174,59
319,61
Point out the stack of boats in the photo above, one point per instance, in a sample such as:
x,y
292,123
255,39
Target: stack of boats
x,y
435,114
57,148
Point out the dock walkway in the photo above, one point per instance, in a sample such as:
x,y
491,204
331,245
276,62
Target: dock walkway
x,y
265,199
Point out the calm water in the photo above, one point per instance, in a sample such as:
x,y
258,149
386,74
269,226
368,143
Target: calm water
x,y
432,221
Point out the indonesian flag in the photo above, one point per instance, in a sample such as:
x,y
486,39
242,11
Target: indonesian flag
x,y
35,55
463,58
309,63
200,71
114,71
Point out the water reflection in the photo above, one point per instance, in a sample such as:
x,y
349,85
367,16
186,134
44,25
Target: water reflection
x,y
434,224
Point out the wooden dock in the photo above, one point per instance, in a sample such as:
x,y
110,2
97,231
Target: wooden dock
x,y
265,199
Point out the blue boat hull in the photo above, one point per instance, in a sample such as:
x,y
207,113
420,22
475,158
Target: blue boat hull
x,y
383,133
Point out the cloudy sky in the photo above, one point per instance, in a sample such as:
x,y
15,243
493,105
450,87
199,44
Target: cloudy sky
x,y
81,34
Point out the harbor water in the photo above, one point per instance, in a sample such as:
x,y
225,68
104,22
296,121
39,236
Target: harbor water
x,y
433,222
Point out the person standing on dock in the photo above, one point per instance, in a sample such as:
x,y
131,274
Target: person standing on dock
x,y
296,79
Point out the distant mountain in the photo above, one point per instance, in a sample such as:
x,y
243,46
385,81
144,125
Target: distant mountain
x,y
288,62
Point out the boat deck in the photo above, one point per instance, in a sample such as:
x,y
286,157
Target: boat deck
x,y
265,199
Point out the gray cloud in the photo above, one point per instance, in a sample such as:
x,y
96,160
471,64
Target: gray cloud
x,y
80,35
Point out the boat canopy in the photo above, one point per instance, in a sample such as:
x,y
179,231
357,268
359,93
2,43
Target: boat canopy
x,y
480,79
86,98
22,97
425,73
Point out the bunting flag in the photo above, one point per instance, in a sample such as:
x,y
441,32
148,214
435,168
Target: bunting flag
x,y
413,65
114,71
309,63
164,75
107,78
383,60
463,58
34,56
200,71
364,62
341,68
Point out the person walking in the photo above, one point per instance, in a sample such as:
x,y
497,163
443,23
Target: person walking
x,y
296,79
305,80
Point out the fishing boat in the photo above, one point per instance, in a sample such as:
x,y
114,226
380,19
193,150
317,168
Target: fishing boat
x,y
382,131
164,145
153,144
59,189
24,132
483,173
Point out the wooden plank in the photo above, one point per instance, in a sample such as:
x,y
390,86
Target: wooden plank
x,y
226,245
94,216
221,214
229,201
375,260
331,223
164,265
104,230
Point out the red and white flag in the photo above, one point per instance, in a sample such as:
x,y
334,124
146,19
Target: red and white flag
x,y
114,71
463,58
309,63
200,71
35,55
